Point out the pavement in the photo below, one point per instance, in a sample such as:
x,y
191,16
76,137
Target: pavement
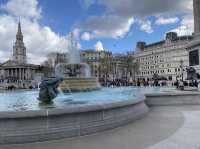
x,y
165,127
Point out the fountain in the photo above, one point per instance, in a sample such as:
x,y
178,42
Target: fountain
x,y
76,75
24,119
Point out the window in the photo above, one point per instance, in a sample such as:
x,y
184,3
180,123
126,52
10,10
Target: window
x,y
194,58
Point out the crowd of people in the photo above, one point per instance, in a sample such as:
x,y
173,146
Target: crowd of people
x,y
139,82
190,83
148,82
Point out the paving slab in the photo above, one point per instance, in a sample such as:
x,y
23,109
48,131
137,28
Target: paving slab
x,y
186,137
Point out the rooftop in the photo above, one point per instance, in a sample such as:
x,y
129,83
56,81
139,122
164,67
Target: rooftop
x,y
171,36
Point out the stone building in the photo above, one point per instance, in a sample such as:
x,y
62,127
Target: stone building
x,y
120,66
16,72
55,58
167,58
98,62
194,46
104,64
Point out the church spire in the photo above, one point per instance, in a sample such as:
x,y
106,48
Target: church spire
x,y
19,50
19,36
19,32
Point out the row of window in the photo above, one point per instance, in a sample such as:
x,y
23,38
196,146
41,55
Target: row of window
x,y
160,71
155,66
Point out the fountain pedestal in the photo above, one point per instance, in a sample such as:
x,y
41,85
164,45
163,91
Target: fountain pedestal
x,y
74,84
76,78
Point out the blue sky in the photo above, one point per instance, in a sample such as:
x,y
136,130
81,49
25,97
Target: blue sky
x,y
114,25
64,15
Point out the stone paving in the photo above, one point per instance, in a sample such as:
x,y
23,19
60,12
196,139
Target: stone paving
x,y
163,128
187,137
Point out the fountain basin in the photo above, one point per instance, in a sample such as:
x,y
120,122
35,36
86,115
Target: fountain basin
x,y
80,120
178,98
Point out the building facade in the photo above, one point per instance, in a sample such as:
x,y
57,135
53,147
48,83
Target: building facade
x,y
194,46
16,72
120,66
55,58
167,58
99,61
106,65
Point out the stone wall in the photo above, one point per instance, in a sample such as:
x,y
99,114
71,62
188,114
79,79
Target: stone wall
x,y
173,99
43,125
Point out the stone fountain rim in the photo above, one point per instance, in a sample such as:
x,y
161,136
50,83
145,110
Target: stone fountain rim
x,y
178,93
70,110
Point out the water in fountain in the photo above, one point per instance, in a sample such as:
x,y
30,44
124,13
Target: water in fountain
x,y
74,57
26,100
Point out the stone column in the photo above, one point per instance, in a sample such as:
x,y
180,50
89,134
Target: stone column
x,y
20,74
26,70
28,74
14,72
11,73
25,73
196,6
6,73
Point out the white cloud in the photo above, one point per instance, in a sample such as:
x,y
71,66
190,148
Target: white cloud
x,y
108,26
99,46
186,27
78,45
146,26
86,36
117,20
23,8
39,40
166,20
146,7
76,33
